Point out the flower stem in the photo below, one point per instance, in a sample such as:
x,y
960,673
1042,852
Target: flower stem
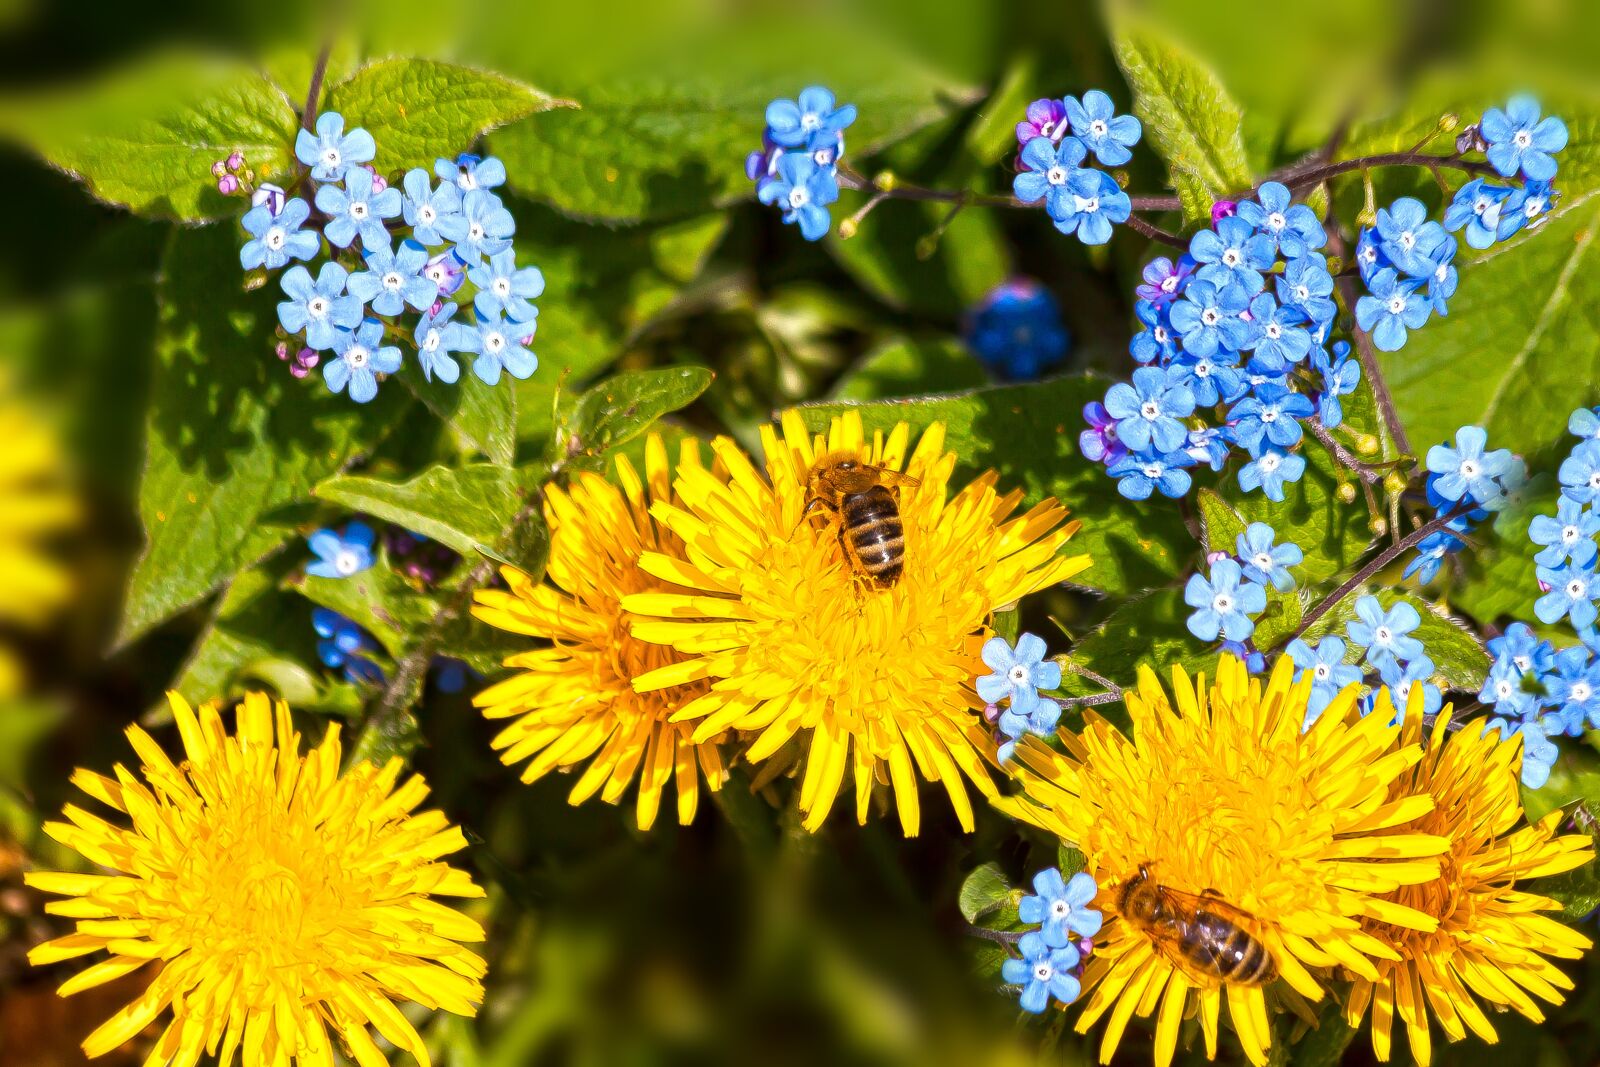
x,y
308,116
1363,471
1364,350
1382,560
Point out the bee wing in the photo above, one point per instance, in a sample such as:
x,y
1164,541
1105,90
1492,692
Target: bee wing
x,y
1210,902
894,479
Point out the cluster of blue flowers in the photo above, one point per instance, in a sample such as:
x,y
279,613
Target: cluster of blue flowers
x,y
1465,482
1019,674
342,643
418,245
797,166
1055,138
1016,331
1052,956
1380,643
1226,604
1216,337
1535,689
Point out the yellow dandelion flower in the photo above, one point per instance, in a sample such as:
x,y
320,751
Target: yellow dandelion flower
x,y
1219,790
575,700
1490,941
33,505
279,898
792,641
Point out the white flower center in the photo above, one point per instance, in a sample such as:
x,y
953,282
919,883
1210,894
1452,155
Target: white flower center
x,y
430,343
1523,139
1087,205
823,157
1594,480
1060,909
358,210
1276,221
1150,410
1231,257
1210,316
1322,672
1056,175
1152,470
1160,334
317,308
1576,588
1202,369
1269,415
1503,689
1408,240
1580,692
1382,635
1263,561
1169,283
1098,128
1302,292
1274,331
1397,304
331,156
437,273
1442,273
467,180
810,120
502,286
346,562
357,356
1018,675
393,281
475,231
1569,535
1043,972
1222,603
799,196
1269,462
275,238
494,342
426,214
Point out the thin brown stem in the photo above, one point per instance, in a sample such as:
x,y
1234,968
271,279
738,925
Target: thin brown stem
x,y
1380,561
1364,350
1156,233
1342,454
308,116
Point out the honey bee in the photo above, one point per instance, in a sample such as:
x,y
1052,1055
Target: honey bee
x,y
1205,932
866,499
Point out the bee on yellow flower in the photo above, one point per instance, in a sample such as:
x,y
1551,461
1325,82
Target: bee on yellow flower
x,y
285,905
1278,846
575,701
871,674
1490,941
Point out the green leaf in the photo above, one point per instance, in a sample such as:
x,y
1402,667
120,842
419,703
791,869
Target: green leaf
x,y
1459,658
145,136
1220,525
253,622
1029,433
1574,784
984,890
602,287
1187,115
1517,351
1070,860
234,444
689,113
624,407
485,415
1501,582
461,508
1147,629
884,256
1332,534
904,367
419,110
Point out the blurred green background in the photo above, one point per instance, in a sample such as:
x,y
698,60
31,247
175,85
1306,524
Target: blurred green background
x,y
739,939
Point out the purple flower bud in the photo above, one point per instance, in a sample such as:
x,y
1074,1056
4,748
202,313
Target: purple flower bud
x,y
755,165
445,271
1470,140
1046,118
1099,443
1085,947
227,185
991,713
298,371
218,169
236,161
283,350
1213,557
379,182
270,195
1223,209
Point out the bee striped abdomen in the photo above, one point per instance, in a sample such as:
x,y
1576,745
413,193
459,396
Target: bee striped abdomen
x,y
872,534
1218,946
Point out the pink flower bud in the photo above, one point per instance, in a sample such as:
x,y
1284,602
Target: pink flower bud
x,y
1086,947
307,358
1223,209
1544,586
991,713
379,182
298,371
283,350
236,161
227,185
218,169
1213,557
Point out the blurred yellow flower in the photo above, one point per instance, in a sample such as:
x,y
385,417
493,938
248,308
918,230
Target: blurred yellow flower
x,y
575,699
1222,792
281,898
33,505
787,640
1490,941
